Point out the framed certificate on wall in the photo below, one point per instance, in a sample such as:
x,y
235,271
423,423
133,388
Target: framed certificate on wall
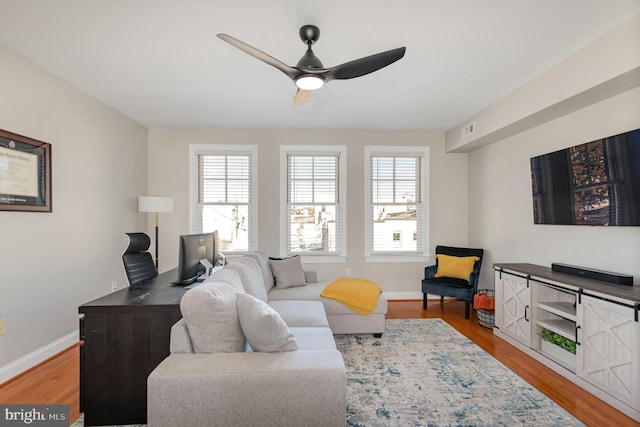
x,y
25,173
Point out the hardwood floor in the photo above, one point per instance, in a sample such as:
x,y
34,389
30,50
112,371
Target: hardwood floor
x,y
56,381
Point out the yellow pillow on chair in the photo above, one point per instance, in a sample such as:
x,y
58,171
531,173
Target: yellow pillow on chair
x,y
455,266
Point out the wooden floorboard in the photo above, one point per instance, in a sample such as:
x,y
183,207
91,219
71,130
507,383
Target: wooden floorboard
x,y
57,380
54,381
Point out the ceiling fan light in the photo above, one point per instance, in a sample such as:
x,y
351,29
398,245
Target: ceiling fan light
x,y
309,82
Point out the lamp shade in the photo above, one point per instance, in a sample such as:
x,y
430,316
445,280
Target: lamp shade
x,y
155,204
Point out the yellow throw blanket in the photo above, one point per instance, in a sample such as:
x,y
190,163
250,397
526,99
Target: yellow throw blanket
x,y
360,295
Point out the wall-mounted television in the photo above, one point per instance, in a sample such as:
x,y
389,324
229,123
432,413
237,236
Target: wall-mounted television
x,y
597,183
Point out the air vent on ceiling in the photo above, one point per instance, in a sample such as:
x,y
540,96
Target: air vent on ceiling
x,y
469,129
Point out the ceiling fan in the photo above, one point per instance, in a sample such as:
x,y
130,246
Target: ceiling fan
x,y
309,74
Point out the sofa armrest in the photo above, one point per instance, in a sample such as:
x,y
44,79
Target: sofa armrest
x,y
180,339
311,276
266,389
473,279
430,271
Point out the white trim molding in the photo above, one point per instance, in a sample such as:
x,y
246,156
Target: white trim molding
x,y
34,358
422,251
224,149
403,295
341,152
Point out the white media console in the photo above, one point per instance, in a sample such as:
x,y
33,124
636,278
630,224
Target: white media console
x,y
601,318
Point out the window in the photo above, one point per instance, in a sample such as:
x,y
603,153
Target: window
x,y
313,187
395,201
223,194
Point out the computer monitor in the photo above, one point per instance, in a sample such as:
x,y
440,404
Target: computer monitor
x,y
193,248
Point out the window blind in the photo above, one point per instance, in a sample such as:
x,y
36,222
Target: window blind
x,y
395,203
313,203
224,199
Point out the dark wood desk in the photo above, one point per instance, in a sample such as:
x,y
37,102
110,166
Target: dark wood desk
x,y
126,335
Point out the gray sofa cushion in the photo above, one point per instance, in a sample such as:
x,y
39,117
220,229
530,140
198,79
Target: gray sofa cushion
x,y
288,272
312,291
223,276
180,340
263,327
314,339
263,262
301,313
251,276
212,319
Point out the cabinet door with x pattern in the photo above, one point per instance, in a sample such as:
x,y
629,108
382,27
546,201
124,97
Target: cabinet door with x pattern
x,y
513,305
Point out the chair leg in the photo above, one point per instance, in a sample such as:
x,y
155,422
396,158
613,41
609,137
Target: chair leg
x,y
467,306
424,300
441,299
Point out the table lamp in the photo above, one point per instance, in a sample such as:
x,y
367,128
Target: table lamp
x,y
156,205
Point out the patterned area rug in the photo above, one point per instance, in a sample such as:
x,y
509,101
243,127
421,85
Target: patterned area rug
x,y
80,423
423,372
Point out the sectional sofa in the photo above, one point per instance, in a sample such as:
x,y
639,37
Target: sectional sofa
x,y
255,347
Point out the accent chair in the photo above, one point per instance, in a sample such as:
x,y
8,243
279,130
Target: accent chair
x,y
454,275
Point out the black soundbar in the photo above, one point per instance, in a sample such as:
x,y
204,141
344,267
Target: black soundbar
x,y
590,273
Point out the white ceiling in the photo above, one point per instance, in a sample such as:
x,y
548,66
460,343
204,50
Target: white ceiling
x,y
160,63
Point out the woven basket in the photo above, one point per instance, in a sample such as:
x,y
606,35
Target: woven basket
x,y
486,318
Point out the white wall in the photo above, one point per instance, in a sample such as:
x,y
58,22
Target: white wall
x,y
501,217
606,67
168,175
591,94
50,263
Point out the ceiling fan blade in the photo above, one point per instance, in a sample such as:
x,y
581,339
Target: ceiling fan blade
x,y
363,66
301,97
289,71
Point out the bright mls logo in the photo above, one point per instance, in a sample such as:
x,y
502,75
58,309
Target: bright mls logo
x,y
34,415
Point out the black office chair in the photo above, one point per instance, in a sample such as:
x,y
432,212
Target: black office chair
x,y
452,287
138,263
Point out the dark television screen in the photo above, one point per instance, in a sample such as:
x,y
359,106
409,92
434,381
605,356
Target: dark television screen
x,y
597,183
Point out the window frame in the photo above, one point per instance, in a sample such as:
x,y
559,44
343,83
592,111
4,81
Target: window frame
x,y
341,211
217,150
422,252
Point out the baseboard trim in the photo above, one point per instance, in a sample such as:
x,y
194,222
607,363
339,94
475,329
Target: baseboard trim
x,y
410,296
27,362
403,295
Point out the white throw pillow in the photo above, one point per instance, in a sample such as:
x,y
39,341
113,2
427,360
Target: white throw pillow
x,y
212,319
288,272
263,327
251,276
